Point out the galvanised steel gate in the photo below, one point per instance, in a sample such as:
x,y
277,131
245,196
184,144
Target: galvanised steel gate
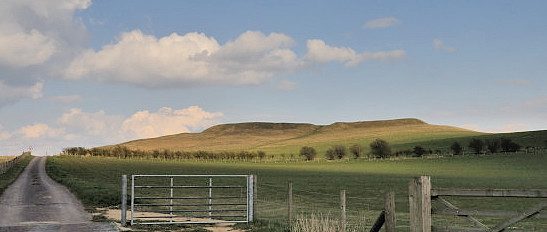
x,y
192,199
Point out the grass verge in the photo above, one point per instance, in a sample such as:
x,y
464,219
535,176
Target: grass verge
x,y
11,175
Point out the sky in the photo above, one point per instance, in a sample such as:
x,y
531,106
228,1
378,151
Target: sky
x,y
92,73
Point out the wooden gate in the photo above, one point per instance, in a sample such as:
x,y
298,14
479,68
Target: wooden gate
x,y
421,195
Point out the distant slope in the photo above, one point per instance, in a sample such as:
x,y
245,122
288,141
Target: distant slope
x,y
288,138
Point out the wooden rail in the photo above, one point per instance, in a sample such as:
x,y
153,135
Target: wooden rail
x,y
421,194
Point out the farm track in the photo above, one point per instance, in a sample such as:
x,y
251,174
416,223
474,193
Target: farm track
x,y
34,202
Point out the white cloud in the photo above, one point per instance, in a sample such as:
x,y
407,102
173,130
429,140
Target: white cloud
x,y
381,23
144,124
319,52
10,93
439,45
196,59
36,37
38,130
90,124
4,135
24,49
190,59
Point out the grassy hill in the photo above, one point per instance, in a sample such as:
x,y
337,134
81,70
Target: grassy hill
x,y
288,138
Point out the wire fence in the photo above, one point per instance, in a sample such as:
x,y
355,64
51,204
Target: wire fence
x,y
272,204
6,165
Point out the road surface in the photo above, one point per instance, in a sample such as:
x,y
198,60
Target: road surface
x,y
34,202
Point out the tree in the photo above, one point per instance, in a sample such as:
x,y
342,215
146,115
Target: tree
x,y
419,151
476,145
493,145
456,148
330,154
308,153
380,148
356,150
336,152
507,145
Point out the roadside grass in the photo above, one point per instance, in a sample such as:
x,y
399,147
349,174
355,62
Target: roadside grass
x,y
317,184
11,175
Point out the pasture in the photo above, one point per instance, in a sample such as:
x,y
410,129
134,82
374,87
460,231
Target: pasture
x,y
316,184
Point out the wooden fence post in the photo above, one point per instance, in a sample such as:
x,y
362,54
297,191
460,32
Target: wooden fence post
x,y
124,201
342,210
289,221
419,197
389,208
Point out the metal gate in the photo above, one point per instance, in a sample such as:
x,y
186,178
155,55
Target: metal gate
x,y
191,199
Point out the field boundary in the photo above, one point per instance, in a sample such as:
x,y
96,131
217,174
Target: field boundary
x,y
6,165
421,195
208,199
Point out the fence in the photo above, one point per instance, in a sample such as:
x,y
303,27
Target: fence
x,y
421,195
6,165
298,208
190,199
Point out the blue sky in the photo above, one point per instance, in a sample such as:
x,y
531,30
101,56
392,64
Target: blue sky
x,y
90,73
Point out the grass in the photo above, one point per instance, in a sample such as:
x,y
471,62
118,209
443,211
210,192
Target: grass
x,y
6,158
11,175
316,184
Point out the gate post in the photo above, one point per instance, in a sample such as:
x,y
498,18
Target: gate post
x,y
389,208
250,198
124,200
419,197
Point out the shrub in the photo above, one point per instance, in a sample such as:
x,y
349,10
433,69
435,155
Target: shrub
x,y
356,150
330,154
456,148
419,151
476,145
380,148
507,145
308,153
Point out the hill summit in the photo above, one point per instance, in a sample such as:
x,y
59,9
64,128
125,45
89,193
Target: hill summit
x,y
288,138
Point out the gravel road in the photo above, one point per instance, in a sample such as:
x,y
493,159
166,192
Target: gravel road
x,y
34,202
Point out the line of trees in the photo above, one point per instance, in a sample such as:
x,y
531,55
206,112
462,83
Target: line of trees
x,y
478,146
126,153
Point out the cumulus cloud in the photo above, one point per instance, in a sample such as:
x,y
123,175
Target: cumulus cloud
x,y
439,45
76,126
196,59
381,23
319,52
38,130
144,124
36,37
190,59
9,93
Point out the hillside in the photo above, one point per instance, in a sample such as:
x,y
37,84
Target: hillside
x,y
288,138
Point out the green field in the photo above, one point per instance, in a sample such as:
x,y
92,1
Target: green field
x,y
317,184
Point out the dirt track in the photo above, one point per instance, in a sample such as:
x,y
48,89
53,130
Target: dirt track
x,y
34,202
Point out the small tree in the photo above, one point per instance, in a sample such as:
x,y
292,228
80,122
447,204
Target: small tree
x,y
456,148
380,148
340,151
356,150
330,154
493,145
476,145
308,153
507,145
419,151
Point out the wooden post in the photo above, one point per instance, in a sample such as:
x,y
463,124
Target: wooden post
x,y
255,196
124,201
419,197
289,221
389,208
343,211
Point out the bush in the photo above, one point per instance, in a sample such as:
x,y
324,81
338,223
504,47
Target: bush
x,y
507,145
419,151
476,145
308,153
456,148
356,150
380,148
330,154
